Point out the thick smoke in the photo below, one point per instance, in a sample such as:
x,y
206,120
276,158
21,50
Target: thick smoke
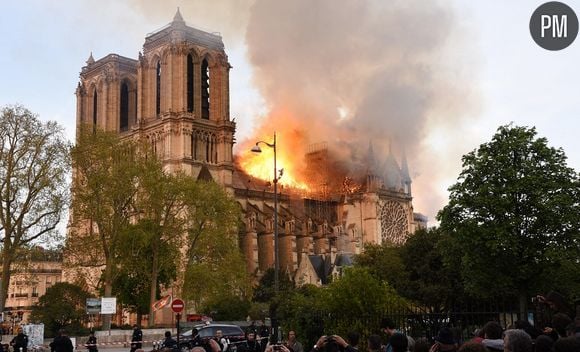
x,y
351,72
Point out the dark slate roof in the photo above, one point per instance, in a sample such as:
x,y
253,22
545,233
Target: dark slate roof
x,y
343,259
204,174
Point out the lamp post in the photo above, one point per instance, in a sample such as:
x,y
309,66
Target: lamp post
x,y
256,149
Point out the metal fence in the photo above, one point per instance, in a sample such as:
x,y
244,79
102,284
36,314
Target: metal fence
x,y
416,322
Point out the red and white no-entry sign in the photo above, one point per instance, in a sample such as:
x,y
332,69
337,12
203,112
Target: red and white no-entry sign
x,y
177,305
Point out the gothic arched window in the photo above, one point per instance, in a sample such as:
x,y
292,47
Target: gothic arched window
x,y
189,83
204,90
95,112
158,89
124,113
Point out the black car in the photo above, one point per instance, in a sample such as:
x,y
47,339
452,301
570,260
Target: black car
x,y
232,333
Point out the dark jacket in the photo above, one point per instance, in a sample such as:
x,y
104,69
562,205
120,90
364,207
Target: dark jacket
x,y
20,341
169,342
91,344
61,343
136,339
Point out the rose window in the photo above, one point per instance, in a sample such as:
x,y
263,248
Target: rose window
x,y
394,224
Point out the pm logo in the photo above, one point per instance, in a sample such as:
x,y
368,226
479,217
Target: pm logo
x,y
554,25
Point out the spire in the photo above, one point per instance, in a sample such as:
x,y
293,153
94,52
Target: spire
x,y
90,60
372,166
406,178
405,169
178,17
392,172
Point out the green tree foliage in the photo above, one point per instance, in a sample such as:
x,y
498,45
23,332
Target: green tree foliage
x,y
61,307
314,311
227,308
384,263
214,264
160,202
132,285
430,282
265,291
105,184
34,190
513,215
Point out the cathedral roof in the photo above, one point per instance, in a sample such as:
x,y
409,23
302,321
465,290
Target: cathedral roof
x,y
178,30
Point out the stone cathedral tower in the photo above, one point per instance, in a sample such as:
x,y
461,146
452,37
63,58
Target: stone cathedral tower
x,y
176,96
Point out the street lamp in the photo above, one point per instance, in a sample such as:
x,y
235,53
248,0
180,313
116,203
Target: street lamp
x,y
256,149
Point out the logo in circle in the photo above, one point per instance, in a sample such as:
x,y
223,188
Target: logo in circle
x,y
554,25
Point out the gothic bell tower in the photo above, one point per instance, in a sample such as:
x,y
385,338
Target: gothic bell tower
x,y
175,96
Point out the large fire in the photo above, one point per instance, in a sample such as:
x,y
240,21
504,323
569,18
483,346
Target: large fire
x,y
261,165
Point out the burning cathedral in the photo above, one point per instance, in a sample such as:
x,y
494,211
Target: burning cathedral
x,y
176,97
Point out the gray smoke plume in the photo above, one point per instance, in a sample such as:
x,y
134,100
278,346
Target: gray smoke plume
x,y
350,72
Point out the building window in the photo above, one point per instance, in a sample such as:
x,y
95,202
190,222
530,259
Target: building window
x,y
95,105
34,291
124,113
205,90
158,89
189,83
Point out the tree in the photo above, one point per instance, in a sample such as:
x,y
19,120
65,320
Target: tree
x,y
132,284
214,263
104,187
513,214
430,281
161,200
62,306
34,166
384,263
265,291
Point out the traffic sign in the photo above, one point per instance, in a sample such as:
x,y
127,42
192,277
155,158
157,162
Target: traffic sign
x,y
177,305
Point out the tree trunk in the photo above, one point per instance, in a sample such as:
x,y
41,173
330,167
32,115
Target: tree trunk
x,y
153,290
523,305
108,280
6,263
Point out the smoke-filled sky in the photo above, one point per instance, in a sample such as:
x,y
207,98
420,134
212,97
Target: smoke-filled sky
x,y
432,78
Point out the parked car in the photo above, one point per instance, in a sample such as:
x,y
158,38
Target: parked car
x,y
232,333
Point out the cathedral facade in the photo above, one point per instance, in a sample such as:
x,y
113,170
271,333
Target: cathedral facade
x,y
175,96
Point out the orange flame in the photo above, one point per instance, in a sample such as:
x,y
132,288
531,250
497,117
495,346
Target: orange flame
x,y
261,165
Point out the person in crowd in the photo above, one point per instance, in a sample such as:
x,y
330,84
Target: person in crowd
x,y
61,343
444,341
517,340
334,343
251,344
543,343
293,344
568,344
352,339
91,343
478,336
222,341
493,340
560,323
528,328
169,343
557,302
388,327
374,343
472,346
422,345
399,342
136,338
20,342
